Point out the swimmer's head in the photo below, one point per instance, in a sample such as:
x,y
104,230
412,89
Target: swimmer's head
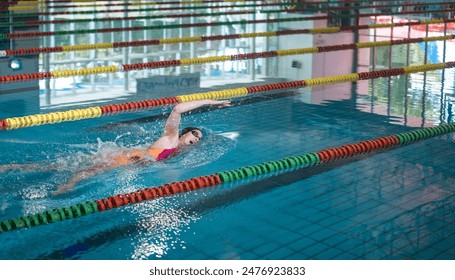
x,y
190,135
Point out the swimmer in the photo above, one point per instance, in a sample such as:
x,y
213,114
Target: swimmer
x,y
165,146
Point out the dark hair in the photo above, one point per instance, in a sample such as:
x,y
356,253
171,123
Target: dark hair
x,y
187,129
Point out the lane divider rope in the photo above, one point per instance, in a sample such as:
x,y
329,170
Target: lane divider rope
x,y
180,15
33,34
33,4
204,38
291,7
98,111
210,59
111,19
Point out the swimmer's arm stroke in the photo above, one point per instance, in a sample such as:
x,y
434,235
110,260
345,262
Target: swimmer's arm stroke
x,y
172,125
169,138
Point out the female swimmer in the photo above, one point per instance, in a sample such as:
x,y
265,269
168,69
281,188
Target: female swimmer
x,y
166,145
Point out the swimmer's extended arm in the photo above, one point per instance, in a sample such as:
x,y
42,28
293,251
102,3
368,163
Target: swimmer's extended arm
x,y
173,122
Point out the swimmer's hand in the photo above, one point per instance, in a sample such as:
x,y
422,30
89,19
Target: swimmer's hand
x,y
221,103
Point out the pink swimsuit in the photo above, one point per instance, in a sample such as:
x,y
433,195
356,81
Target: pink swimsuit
x,y
160,154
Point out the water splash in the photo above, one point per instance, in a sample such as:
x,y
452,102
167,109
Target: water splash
x,y
160,227
161,222
46,176
210,149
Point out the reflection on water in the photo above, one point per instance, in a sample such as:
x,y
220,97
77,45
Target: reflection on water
x,y
418,99
410,233
159,227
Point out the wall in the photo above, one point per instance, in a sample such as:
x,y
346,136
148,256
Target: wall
x,y
285,68
19,98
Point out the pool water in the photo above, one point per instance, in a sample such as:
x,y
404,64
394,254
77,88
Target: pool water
x,y
397,204
394,204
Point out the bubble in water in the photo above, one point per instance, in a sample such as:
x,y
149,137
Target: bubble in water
x,y
34,192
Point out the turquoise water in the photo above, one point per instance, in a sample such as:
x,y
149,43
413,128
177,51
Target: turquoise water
x,y
392,205
397,204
